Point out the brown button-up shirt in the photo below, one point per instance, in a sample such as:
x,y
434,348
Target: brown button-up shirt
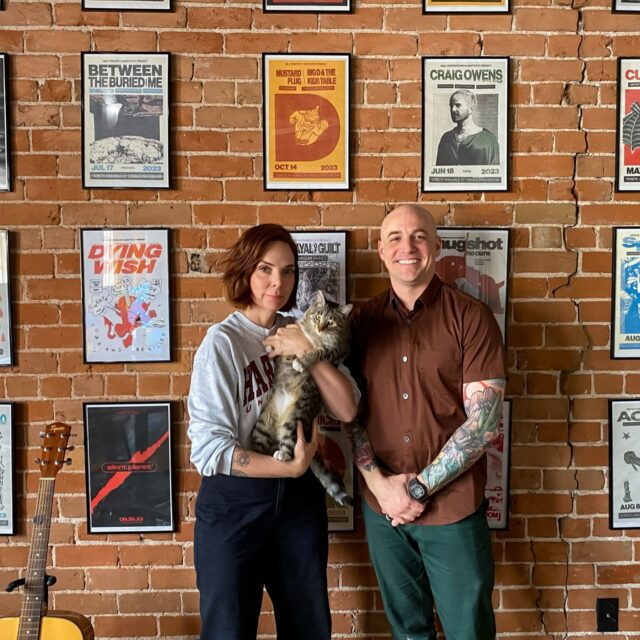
x,y
412,366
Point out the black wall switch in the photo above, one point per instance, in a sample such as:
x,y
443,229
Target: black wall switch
x,y
607,614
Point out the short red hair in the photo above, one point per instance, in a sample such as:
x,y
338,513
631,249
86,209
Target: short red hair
x,y
243,258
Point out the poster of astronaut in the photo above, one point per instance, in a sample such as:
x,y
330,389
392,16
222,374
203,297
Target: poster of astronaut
x,y
476,261
128,467
625,297
624,463
5,156
6,343
306,121
7,470
465,124
322,260
125,295
125,120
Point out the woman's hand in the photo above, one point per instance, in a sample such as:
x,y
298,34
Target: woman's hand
x,y
288,341
304,451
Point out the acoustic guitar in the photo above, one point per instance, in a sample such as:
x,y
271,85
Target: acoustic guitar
x,y
35,621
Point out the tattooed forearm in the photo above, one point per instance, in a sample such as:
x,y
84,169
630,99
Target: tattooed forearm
x,y
483,404
241,458
362,452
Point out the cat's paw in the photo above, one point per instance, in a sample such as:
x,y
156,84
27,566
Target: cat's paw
x,y
268,348
282,456
297,365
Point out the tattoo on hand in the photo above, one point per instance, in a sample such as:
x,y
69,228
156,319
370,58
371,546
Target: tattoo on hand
x,y
241,458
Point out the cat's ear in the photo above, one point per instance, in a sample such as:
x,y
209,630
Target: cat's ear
x,y
345,310
318,298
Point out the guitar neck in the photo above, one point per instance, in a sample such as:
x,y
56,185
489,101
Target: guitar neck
x,y
33,598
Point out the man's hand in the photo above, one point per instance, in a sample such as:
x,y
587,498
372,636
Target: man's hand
x,y
304,451
288,341
395,502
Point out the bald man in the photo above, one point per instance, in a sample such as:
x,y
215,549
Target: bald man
x,y
431,363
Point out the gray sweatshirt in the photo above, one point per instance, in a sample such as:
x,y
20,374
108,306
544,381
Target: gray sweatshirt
x,y
230,384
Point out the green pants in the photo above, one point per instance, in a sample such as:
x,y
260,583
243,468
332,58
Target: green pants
x,y
450,566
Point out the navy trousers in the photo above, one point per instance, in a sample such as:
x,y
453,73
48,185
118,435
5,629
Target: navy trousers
x,y
252,533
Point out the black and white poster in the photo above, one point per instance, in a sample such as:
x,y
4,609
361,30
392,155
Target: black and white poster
x,y
5,133
125,120
626,6
7,470
125,295
465,124
624,463
6,343
128,467
322,260
476,261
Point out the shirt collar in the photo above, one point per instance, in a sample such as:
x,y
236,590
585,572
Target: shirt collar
x,y
426,299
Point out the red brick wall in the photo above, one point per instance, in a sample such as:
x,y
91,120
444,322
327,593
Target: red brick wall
x,y
558,554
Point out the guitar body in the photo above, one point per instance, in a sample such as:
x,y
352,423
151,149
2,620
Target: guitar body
x,y
56,625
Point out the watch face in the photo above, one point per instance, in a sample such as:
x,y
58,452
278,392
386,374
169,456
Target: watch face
x,y
416,490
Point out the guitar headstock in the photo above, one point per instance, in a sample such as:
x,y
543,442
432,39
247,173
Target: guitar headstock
x,y
54,448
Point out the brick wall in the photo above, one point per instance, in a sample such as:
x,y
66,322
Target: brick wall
x,y
558,554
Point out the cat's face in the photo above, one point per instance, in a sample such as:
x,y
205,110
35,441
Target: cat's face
x,y
324,316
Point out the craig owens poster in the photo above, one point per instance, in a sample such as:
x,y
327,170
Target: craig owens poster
x,y
125,295
306,121
128,467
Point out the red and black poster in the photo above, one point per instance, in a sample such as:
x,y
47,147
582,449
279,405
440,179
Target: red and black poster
x,y
128,467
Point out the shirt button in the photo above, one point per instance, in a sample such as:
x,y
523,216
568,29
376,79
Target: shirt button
x,y
408,322
404,358
406,439
405,396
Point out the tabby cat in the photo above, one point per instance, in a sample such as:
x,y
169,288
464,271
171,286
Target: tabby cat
x,y
295,396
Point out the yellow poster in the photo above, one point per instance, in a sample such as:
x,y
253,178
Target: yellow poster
x,y
306,100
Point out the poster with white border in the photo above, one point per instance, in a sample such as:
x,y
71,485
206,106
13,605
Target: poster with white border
x,y
7,471
6,342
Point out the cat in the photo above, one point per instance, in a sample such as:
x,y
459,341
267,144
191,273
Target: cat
x,y
295,396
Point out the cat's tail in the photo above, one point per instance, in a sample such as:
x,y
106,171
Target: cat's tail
x,y
331,482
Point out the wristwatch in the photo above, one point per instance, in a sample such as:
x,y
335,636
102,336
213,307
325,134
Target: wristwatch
x,y
417,490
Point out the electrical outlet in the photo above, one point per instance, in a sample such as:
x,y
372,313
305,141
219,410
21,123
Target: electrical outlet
x,y
607,614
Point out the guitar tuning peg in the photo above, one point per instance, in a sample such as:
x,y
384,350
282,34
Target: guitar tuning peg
x,y
73,435
67,461
71,448
42,434
38,460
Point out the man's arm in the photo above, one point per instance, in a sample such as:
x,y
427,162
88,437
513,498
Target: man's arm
x,y
483,405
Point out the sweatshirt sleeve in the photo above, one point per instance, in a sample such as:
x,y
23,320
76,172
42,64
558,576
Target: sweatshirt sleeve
x,y
213,406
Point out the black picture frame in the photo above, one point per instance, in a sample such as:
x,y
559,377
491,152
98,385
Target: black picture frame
x,y
105,165
310,6
126,300
625,6
625,294
627,176
487,150
624,441
322,263
289,165
128,462
5,124
6,325
7,470
152,6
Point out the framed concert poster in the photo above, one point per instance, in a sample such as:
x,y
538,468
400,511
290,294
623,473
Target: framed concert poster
x,y
624,463
498,472
7,471
128,467
626,6
127,5
628,129
5,132
306,121
302,6
125,120
322,261
476,261
6,342
466,6
465,124
126,311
